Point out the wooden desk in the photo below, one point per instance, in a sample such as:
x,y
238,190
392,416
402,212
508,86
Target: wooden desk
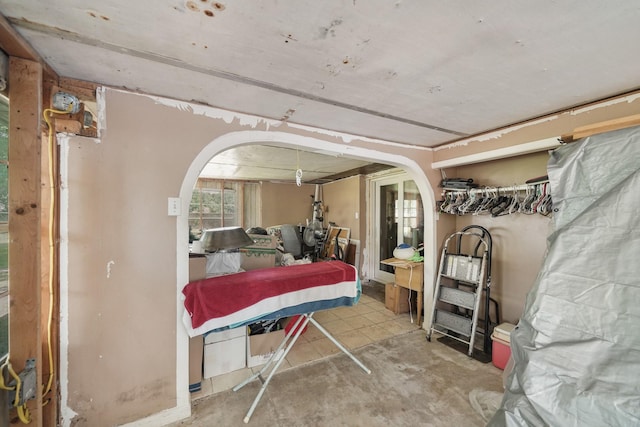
x,y
409,275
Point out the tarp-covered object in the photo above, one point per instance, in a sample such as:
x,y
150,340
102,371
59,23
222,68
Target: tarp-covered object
x,y
577,346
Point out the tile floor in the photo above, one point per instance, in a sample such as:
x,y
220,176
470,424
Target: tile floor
x,y
354,327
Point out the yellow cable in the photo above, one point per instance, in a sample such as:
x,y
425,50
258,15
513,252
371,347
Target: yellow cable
x,y
51,240
3,386
23,412
16,400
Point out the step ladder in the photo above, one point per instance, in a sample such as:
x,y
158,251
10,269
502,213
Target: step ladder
x,y
461,280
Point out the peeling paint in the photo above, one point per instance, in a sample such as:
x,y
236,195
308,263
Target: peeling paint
x,y
628,99
101,120
288,114
211,112
109,265
496,134
255,121
348,138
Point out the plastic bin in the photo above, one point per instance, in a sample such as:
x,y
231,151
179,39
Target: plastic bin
x,y
501,344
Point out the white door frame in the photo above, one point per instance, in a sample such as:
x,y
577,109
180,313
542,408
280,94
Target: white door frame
x,y
394,177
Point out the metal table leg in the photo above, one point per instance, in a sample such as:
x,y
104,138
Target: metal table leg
x,y
294,333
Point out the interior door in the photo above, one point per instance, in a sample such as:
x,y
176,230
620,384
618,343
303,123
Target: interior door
x,y
399,218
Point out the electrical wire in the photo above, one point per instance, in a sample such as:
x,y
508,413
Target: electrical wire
x,y
23,412
51,239
4,366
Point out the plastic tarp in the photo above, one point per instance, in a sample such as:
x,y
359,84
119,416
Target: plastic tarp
x,y
577,346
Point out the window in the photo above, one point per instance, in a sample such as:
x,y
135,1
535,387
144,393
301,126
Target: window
x,y
212,208
413,215
222,203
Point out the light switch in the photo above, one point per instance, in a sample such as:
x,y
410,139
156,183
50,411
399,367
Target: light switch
x,y
174,206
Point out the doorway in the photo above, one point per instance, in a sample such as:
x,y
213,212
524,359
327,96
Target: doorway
x,y
398,218
413,173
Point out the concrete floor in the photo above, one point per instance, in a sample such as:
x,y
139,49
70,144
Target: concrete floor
x,y
413,382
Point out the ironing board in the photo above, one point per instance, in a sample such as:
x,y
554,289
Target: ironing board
x,y
240,299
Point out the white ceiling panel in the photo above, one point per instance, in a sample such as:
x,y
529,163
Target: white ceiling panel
x,y
420,72
264,162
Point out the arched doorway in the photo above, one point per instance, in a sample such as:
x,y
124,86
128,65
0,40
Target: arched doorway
x,y
235,139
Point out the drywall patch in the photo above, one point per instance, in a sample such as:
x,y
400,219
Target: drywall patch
x,y
497,134
66,413
70,135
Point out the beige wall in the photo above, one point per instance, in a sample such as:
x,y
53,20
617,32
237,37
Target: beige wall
x,y
123,262
121,270
519,240
342,201
284,203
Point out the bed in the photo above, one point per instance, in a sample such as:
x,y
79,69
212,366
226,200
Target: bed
x,y
235,300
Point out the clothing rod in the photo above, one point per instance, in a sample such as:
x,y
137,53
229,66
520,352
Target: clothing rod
x,y
512,188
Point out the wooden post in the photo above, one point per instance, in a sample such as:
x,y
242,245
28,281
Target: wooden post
x,y
25,332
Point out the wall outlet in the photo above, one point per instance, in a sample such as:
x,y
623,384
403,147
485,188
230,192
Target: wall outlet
x,y
174,206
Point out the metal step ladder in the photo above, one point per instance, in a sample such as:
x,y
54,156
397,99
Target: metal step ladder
x,y
461,280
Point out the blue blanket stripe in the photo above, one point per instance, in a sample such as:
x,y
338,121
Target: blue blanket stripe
x,y
307,307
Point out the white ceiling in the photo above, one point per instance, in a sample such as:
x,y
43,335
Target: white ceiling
x,y
269,162
420,72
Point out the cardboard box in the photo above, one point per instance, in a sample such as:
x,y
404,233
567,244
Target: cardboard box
x,y
396,298
262,346
197,267
410,277
262,254
225,351
195,363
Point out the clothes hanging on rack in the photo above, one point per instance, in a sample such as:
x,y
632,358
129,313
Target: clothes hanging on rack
x,y
497,201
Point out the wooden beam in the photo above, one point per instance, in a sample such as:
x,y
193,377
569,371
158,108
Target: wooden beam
x,y
14,45
85,91
25,332
606,126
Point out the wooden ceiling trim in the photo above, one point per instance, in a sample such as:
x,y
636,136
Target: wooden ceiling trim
x,y
12,43
601,127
